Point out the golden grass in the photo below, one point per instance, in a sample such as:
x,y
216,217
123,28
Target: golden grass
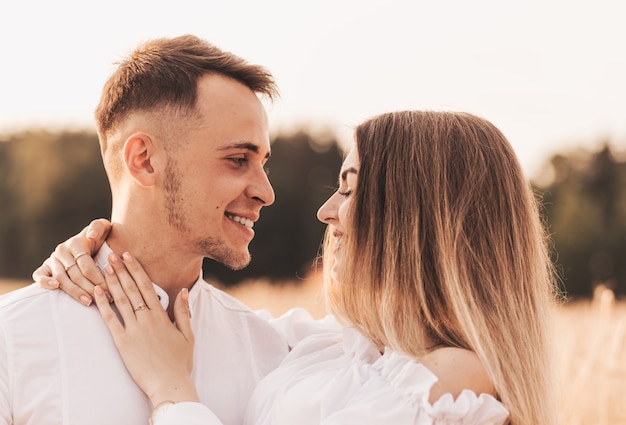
x,y
278,297
591,351
590,339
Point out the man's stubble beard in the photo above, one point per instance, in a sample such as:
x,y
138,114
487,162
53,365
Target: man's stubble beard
x,y
208,246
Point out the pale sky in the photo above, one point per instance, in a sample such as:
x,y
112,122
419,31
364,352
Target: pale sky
x,y
550,74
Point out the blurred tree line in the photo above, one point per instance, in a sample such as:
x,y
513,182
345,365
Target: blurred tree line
x,y
584,201
53,184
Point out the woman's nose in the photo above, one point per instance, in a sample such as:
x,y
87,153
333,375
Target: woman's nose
x,y
328,211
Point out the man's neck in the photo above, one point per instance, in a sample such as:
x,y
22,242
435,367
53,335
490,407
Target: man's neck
x,y
168,267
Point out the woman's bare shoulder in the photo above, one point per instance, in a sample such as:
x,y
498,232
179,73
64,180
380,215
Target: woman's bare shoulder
x,y
457,369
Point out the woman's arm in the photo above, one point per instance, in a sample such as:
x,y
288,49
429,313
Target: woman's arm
x,y
157,353
71,267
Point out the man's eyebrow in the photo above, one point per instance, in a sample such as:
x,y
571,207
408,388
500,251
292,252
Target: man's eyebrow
x,y
344,173
243,145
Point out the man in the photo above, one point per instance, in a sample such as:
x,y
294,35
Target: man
x,y
184,140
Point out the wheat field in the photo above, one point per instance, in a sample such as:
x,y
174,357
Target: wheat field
x,y
589,337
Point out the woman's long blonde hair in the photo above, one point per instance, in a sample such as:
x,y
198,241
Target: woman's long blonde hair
x,y
447,249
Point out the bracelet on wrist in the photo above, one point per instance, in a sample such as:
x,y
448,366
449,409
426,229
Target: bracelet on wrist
x,y
159,410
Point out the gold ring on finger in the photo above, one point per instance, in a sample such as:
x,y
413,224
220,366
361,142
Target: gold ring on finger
x,y
70,266
141,306
80,254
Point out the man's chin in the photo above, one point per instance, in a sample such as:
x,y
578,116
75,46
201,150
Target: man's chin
x,y
235,262
228,257
238,266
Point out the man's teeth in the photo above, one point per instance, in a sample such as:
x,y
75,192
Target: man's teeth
x,y
241,220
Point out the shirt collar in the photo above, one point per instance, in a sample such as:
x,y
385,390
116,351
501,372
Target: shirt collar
x,y
102,260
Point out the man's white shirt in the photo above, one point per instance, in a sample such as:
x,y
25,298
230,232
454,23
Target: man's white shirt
x,y
58,363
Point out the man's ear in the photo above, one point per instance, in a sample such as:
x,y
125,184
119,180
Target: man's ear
x,y
139,158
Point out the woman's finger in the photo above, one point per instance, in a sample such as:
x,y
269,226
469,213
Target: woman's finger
x,y
110,318
142,281
52,275
81,270
121,301
63,253
182,315
98,231
71,266
43,275
128,284
88,269
85,245
81,248
81,281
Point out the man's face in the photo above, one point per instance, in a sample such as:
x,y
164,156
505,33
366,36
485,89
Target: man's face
x,y
216,184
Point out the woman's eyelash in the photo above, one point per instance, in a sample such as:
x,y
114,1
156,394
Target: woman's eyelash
x,y
338,190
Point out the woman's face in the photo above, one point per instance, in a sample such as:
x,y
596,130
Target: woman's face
x,y
336,210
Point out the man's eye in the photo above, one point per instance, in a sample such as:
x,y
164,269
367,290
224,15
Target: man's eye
x,y
238,160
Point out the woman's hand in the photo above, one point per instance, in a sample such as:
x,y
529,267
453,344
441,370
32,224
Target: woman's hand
x,y
71,267
157,353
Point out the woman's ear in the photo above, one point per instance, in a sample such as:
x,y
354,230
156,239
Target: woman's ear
x,y
139,157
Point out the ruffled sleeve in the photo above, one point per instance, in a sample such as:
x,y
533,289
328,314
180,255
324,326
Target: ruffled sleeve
x,y
297,324
398,393
468,408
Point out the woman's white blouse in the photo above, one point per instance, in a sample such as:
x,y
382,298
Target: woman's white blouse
x,y
334,375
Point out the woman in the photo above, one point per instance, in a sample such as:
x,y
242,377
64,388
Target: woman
x,y
437,277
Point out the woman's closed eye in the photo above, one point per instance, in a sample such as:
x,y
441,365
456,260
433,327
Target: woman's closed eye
x,y
338,190
344,193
